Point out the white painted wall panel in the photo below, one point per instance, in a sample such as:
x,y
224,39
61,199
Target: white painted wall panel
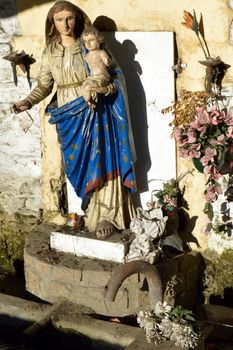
x,y
146,59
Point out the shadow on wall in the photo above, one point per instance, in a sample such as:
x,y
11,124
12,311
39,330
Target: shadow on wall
x,y
124,54
9,8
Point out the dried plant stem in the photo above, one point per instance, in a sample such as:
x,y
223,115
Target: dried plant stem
x,y
203,47
206,45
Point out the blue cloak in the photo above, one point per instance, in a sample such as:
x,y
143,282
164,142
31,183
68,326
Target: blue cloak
x,y
95,144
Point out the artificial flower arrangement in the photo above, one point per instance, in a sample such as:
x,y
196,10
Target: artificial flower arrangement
x,y
167,322
202,127
171,196
207,140
168,196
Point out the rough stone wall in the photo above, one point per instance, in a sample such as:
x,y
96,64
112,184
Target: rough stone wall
x,y
129,15
20,154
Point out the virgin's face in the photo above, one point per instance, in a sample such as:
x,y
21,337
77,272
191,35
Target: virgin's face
x,y
65,22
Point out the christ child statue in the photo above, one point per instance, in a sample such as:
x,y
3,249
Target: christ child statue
x,y
98,62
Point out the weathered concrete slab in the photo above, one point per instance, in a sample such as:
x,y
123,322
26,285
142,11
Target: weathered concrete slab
x,y
20,311
87,245
78,319
217,314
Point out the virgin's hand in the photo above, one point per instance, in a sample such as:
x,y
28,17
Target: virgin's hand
x,y
21,106
106,90
101,90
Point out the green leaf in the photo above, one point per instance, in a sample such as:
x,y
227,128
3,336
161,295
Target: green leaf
x,y
174,241
190,318
198,165
208,210
195,23
221,158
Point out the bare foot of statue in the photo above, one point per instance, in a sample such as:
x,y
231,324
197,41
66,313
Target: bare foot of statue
x,y
104,229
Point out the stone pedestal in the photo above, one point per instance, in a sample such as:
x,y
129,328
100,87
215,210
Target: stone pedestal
x,y
51,274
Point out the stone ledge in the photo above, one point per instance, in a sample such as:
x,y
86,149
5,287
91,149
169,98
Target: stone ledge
x,y
77,320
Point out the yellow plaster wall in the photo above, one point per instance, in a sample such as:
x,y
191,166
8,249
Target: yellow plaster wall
x,y
139,15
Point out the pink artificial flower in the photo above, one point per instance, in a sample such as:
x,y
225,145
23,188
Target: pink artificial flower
x,y
183,141
172,201
215,173
194,151
210,152
203,116
213,142
230,132
207,169
204,160
180,136
212,193
221,140
210,196
209,156
176,133
183,152
228,120
202,130
212,171
191,135
217,116
195,124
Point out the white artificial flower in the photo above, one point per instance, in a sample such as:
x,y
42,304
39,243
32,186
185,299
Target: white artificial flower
x,y
162,308
159,327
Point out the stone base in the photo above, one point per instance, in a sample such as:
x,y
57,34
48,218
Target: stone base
x,y
50,275
83,245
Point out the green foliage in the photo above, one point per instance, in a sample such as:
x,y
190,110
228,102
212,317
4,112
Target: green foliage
x,y
218,273
179,313
13,232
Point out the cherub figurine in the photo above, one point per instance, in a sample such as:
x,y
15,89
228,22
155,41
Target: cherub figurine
x,y
148,225
98,61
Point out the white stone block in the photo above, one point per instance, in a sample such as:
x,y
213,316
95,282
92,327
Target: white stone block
x,y
81,245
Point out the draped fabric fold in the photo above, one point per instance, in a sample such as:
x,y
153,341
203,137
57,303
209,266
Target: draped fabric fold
x,y
95,144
